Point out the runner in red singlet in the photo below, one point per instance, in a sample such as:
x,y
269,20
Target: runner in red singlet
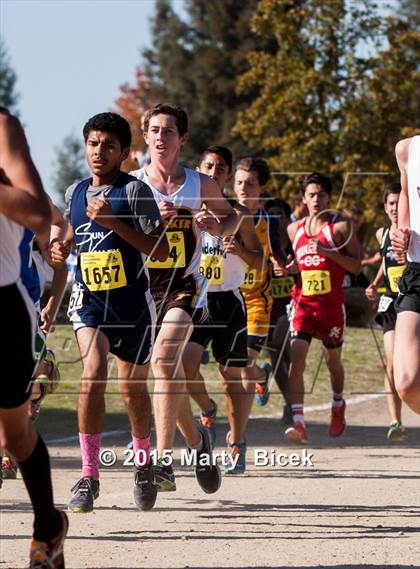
x,y
325,249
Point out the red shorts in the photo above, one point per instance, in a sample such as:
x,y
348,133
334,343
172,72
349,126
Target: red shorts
x,y
326,324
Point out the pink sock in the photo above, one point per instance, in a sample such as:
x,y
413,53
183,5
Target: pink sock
x,y
141,458
90,446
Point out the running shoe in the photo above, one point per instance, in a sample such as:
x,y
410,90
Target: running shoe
x,y
35,408
208,474
8,468
85,491
164,477
53,378
145,489
50,555
236,459
396,432
338,421
262,390
208,421
287,419
297,434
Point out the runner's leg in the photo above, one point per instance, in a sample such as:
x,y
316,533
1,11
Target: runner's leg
x,y
407,358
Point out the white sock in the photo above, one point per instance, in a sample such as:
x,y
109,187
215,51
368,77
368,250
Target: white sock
x,y
297,411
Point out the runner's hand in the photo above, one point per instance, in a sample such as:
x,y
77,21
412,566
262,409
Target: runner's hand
x,y
100,210
59,251
279,270
231,245
371,293
291,265
167,210
207,221
47,320
399,243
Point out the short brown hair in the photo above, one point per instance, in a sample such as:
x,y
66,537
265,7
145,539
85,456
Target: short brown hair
x,y
257,165
167,109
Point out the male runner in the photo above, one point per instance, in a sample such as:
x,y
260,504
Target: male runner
x,y
176,284
251,177
406,239
278,341
23,201
325,249
223,263
33,277
390,271
115,223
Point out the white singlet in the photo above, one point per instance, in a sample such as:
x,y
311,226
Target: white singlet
x,y
223,271
413,175
187,199
11,234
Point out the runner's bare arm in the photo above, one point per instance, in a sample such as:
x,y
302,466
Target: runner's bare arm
x,y
351,259
155,243
228,219
249,247
400,237
22,197
58,285
371,291
291,231
57,232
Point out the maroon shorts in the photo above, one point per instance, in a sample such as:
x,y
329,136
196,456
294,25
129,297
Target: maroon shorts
x,y
183,294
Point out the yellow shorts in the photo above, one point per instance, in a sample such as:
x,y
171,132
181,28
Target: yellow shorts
x,y
258,309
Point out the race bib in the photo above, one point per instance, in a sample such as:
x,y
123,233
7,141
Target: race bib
x,y
103,270
316,282
76,298
211,267
250,278
176,257
384,303
394,274
281,287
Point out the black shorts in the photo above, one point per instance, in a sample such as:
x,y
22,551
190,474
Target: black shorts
x,y
409,290
129,327
183,294
387,319
226,328
256,342
17,346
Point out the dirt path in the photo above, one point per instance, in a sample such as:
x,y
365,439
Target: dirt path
x,y
358,506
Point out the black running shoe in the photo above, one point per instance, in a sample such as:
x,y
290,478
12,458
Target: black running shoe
x,y
164,477
208,474
145,489
85,491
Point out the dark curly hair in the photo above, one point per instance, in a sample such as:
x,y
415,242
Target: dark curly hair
x,y
110,122
316,178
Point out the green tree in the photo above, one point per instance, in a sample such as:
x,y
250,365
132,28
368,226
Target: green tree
x,y
195,64
70,164
337,94
8,95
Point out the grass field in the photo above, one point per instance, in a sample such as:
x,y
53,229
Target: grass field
x,y
362,363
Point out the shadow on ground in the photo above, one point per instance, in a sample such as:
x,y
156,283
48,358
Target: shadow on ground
x,y
57,424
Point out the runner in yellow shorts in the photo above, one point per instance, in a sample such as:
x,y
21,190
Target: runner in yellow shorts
x,y
251,177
